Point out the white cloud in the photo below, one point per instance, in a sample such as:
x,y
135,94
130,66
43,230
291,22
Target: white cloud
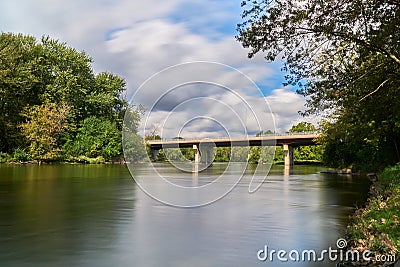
x,y
136,39
286,104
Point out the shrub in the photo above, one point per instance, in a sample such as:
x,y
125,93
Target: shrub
x,y
4,157
20,155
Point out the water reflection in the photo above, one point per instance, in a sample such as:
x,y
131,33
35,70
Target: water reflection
x,y
95,215
56,213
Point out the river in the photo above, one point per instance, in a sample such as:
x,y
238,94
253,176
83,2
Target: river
x,y
96,215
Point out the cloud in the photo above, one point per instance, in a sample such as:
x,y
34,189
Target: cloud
x,y
203,90
286,104
154,45
137,39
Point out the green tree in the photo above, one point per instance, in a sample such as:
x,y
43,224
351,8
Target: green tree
x,y
306,153
303,127
97,137
279,154
267,132
38,72
223,154
44,125
342,55
254,154
19,85
134,147
105,99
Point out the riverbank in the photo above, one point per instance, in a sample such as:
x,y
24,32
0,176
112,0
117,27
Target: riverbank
x,y
69,160
377,226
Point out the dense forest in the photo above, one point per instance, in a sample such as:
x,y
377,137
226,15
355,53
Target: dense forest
x,y
54,107
344,57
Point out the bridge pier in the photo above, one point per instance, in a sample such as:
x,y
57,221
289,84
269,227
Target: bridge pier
x,y
206,153
154,153
289,162
203,153
197,155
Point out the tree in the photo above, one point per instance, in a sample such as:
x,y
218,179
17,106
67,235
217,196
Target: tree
x,y
97,137
303,127
306,153
334,33
223,154
105,99
342,55
39,72
45,123
19,85
134,147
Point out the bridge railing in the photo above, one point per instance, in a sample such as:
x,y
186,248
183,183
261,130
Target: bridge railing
x,y
226,137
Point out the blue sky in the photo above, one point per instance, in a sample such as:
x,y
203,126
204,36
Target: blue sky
x,y
136,39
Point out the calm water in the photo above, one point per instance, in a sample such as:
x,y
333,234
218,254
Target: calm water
x,y
95,215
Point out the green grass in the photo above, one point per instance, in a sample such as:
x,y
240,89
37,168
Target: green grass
x,y
377,226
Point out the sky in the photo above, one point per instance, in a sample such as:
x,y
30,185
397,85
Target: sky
x,y
215,91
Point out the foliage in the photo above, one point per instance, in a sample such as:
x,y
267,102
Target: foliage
x,y
84,159
306,153
267,132
239,154
20,155
18,85
134,147
179,154
4,157
342,55
303,127
161,156
223,154
377,226
261,154
356,146
154,136
279,154
97,137
336,33
43,77
255,154
44,125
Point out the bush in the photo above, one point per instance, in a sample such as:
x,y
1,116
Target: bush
x,y
20,155
4,157
96,138
377,226
97,160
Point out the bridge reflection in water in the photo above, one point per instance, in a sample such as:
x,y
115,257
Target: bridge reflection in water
x,y
204,147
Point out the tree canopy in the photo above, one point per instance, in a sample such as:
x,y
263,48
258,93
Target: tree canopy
x,y
344,56
52,103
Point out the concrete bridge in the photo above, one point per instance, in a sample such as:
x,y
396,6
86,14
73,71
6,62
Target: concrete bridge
x,y
204,147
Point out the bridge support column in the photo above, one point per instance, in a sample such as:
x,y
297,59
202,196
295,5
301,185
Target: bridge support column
x,y
154,153
288,152
206,153
196,154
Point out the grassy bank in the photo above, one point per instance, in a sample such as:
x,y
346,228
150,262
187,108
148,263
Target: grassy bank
x,y
377,226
